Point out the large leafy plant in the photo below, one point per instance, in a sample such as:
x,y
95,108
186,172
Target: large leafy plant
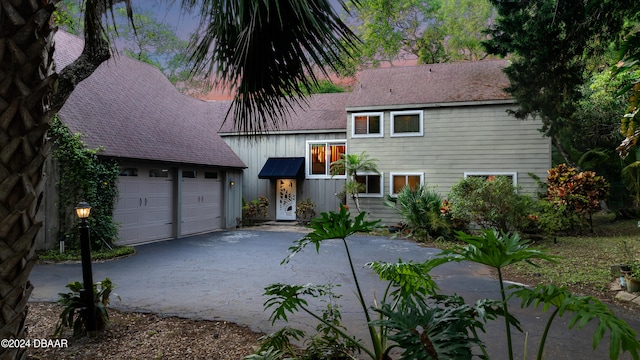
x,y
74,314
419,209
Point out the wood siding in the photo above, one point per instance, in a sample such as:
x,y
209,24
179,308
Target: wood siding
x,y
255,153
457,140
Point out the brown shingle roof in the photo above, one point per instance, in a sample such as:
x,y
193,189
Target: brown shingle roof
x,y
430,84
322,112
133,111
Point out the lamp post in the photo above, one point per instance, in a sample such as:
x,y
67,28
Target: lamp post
x,y
82,210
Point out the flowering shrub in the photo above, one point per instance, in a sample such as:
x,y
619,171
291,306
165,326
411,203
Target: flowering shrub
x,y
254,209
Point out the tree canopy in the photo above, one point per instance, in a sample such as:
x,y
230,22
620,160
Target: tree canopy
x,y
551,44
430,31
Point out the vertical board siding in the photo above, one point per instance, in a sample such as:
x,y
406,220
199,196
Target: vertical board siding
x,y
457,140
255,153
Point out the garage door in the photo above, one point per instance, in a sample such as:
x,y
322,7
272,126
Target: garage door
x,y
201,201
144,208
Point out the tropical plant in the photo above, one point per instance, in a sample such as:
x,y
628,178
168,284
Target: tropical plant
x,y
354,165
579,192
267,48
74,313
254,210
305,211
498,250
420,211
490,203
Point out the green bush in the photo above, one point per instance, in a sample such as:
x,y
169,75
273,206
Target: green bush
x,y
420,211
490,203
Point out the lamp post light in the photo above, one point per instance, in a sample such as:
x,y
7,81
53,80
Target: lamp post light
x,y
83,210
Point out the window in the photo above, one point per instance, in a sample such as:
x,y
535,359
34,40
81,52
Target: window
x,y
210,175
128,172
189,174
488,174
161,173
367,125
372,184
400,180
320,155
406,123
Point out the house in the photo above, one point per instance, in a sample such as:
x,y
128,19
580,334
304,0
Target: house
x,y
178,177
430,124
280,161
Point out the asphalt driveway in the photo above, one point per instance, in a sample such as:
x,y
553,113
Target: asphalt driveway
x,y
222,276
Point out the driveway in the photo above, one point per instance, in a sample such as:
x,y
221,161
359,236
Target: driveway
x,y
222,275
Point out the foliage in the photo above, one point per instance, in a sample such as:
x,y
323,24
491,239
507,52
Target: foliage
x,y
270,50
575,193
324,86
499,250
353,165
84,177
550,45
432,32
255,209
420,211
305,211
628,67
74,254
74,314
491,203
555,219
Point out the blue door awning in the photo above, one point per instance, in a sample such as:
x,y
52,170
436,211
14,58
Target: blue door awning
x,y
283,168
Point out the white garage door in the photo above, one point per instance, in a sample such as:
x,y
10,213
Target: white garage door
x,y
201,201
144,208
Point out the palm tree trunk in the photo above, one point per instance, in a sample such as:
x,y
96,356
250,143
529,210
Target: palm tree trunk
x,y
30,93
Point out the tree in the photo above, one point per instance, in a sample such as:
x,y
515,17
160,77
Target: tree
x,y
265,48
433,31
628,67
550,43
354,165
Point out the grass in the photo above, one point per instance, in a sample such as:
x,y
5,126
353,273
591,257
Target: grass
x,y
584,263
54,255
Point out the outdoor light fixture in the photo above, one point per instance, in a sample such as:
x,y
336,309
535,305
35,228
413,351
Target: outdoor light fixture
x,y
83,210
232,183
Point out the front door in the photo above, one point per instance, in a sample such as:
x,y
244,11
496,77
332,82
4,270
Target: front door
x,y
286,195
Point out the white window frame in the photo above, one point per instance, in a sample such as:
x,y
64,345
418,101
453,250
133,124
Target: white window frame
x,y
513,174
420,113
368,135
381,175
307,159
394,174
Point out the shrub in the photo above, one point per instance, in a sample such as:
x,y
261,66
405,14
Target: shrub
x,y
490,203
305,211
74,314
254,210
420,212
579,192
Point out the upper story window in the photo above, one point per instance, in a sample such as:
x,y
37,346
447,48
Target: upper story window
x,y
400,180
320,155
407,123
372,185
367,125
489,175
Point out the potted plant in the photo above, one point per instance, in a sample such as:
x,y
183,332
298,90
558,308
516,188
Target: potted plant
x,y
632,277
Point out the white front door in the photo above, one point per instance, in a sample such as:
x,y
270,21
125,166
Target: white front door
x,y
286,197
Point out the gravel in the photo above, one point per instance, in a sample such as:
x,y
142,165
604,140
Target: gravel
x,y
140,336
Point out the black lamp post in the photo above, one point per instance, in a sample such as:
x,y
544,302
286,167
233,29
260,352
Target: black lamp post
x,y
82,210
